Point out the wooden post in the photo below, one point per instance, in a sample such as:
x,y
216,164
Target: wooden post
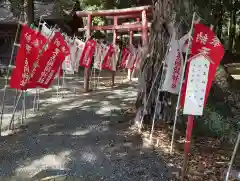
x,y
130,37
144,28
87,70
115,22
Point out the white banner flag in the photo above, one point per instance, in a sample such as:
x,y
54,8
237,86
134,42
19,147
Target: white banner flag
x,y
46,31
139,55
100,53
98,57
73,49
196,85
184,43
67,64
79,49
174,66
115,57
131,58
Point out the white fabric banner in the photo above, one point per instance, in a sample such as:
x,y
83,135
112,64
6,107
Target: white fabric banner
x,y
79,49
99,55
139,55
45,30
131,58
67,64
184,43
115,57
174,66
73,49
196,85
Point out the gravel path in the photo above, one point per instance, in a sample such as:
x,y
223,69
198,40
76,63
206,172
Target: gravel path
x,y
83,137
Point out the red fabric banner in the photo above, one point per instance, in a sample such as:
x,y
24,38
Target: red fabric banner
x,y
107,61
50,61
125,54
204,41
30,43
87,54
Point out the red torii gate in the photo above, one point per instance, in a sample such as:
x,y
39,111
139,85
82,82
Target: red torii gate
x,y
137,12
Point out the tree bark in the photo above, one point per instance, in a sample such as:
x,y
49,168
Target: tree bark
x,y
29,10
232,27
166,17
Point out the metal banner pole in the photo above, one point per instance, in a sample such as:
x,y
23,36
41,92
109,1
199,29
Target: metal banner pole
x,y
24,104
14,111
34,100
58,82
181,82
232,158
8,74
63,84
38,96
98,82
15,99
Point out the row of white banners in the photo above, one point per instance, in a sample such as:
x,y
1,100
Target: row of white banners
x,y
173,61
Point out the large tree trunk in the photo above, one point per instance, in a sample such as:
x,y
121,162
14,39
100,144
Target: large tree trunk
x,y
166,17
29,10
232,26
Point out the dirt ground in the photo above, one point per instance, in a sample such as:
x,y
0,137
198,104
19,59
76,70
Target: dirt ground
x,y
83,136
88,137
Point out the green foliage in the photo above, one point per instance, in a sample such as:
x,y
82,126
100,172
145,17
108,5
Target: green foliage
x,y
215,123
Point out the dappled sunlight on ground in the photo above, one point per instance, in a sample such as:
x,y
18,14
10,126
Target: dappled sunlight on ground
x,y
53,161
82,136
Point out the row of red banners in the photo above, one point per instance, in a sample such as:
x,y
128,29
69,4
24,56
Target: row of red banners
x,y
39,58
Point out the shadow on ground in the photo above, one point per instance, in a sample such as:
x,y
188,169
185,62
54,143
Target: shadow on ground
x,y
82,137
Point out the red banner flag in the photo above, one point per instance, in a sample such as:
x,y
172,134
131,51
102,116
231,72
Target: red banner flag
x,y
107,61
50,61
204,41
30,43
125,54
87,54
